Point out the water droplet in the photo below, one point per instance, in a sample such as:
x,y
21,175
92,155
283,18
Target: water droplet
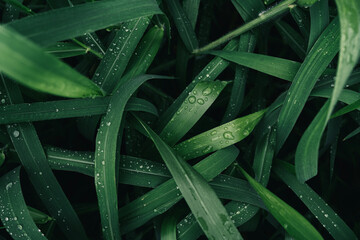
x,y
19,227
246,132
206,91
16,133
200,101
213,132
108,123
8,186
228,135
192,99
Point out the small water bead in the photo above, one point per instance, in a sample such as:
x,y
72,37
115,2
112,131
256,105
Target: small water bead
x,y
228,135
213,132
206,91
3,100
16,133
192,99
108,124
200,101
20,227
8,186
246,132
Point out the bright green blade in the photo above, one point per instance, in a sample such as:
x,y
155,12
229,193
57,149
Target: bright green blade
x,y
274,66
14,213
65,50
219,137
193,108
201,198
105,156
117,56
27,64
292,221
322,211
319,19
159,200
56,25
183,24
168,227
347,109
29,149
319,57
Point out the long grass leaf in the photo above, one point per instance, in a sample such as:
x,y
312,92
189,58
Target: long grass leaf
x,y
319,19
347,109
29,65
57,25
322,211
14,213
321,54
33,158
292,221
219,137
65,50
202,200
301,19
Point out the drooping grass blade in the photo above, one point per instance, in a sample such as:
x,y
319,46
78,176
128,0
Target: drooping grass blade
x,y
13,211
56,25
26,63
105,156
200,197
322,211
292,221
32,157
311,69
219,137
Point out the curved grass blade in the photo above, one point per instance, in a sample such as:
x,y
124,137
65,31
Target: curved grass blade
x,y
168,227
29,65
347,109
144,55
326,216
40,111
219,137
167,194
202,200
319,57
319,19
117,56
38,216
57,25
193,108
32,157
14,213
277,67
105,156
292,221
183,24
65,50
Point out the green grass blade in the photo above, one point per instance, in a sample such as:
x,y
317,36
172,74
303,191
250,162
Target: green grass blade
x,y
347,109
352,134
38,216
193,108
10,13
248,9
301,19
274,66
32,157
292,221
40,111
168,227
65,50
57,25
183,24
191,8
167,194
14,213
202,200
349,13
219,137
144,55
321,54
29,65
326,216
105,157
319,19
117,56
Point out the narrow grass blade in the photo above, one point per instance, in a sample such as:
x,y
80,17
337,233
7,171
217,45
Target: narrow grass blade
x,y
326,216
144,55
209,73
29,65
349,13
32,157
199,100
315,63
57,25
202,200
167,194
65,50
10,13
292,221
40,111
248,9
168,227
347,109
274,66
14,213
352,134
38,216
105,157
219,137
264,154
262,18
117,56
191,8
183,24
301,19
319,19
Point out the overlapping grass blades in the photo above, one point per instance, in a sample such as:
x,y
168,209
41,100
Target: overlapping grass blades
x,y
13,211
